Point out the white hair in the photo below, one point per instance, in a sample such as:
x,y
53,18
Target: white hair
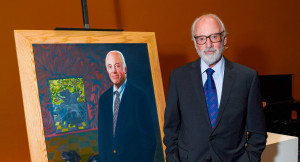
x,y
122,57
212,15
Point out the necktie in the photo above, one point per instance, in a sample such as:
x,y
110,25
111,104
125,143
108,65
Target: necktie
x,y
116,110
211,96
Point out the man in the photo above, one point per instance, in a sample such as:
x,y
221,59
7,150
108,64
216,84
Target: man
x,y
125,128
212,103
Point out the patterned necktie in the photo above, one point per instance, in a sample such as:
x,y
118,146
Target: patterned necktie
x,y
116,110
211,97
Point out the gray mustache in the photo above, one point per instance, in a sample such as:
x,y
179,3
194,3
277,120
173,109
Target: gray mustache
x,y
210,50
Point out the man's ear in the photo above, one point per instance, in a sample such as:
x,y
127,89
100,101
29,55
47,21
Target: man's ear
x,y
225,41
125,69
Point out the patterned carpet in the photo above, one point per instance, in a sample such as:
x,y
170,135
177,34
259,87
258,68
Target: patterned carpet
x,y
85,144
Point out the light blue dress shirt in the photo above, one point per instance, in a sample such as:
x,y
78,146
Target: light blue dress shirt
x,y
218,76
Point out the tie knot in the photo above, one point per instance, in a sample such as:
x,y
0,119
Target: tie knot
x,y
209,71
117,93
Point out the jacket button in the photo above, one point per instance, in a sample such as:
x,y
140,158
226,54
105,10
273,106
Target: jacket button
x,y
115,151
211,138
207,159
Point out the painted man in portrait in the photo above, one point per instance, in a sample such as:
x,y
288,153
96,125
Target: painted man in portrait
x,y
125,124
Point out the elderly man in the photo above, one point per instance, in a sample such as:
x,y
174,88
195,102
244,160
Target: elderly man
x,y
212,103
125,128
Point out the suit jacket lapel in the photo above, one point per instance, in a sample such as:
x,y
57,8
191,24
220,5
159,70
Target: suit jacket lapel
x,y
229,77
110,111
196,78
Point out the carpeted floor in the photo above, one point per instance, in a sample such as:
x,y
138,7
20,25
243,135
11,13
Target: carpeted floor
x,y
85,144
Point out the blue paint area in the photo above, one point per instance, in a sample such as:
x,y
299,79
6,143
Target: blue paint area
x,y
70,114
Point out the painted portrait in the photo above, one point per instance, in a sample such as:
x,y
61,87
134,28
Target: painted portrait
x,y
71,79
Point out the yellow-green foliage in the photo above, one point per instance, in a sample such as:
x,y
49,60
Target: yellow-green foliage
x,y
72,84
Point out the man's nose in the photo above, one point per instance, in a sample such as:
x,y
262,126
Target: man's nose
x,y
208,43
114,69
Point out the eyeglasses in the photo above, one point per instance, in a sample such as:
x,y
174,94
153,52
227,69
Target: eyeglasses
x,y
214,38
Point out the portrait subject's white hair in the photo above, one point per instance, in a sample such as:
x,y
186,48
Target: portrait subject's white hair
x,y
122,57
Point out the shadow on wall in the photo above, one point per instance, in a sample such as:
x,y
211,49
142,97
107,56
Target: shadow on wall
x,y
118,14
168,62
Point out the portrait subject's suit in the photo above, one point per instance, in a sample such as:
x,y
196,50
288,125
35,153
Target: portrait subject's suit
x,y
189,136
134,135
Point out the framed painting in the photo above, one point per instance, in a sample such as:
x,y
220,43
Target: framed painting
x,y
91,95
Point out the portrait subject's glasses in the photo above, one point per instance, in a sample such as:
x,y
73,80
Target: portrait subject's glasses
x,y
214,38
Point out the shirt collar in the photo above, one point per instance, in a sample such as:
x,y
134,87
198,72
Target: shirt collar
x,y
121,89
217,68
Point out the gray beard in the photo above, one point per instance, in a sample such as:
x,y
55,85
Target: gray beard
x,y
212,58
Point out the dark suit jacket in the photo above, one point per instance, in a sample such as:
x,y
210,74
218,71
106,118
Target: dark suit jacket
x,y
135,137
188,132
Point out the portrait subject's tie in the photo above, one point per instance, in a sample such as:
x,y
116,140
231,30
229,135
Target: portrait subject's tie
x,y
211,97
116,110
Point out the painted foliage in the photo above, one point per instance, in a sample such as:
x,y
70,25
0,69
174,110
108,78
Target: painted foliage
x,y
69,106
